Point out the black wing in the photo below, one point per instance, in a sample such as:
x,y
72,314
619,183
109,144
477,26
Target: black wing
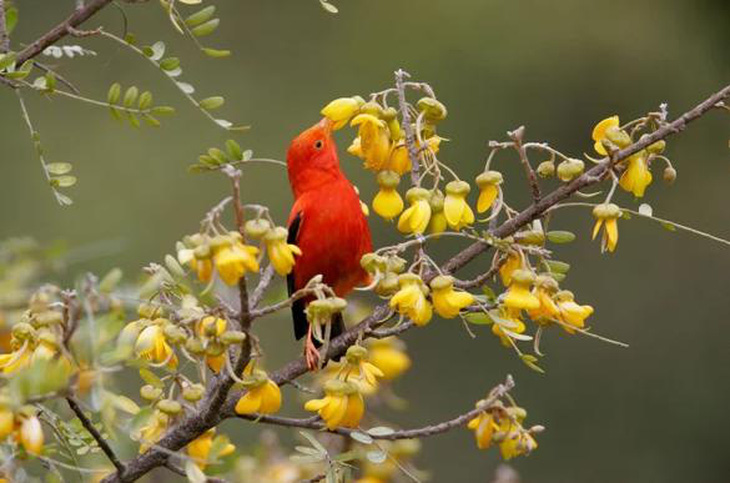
x,y
297,308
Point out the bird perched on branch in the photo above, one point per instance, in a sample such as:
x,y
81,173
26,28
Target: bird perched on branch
x,y
326,223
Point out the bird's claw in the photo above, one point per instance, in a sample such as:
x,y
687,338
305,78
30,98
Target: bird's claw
x,y
311,355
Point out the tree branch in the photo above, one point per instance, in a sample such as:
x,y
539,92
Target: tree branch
x,y
61,30
400,77
430,430
89,426
592,176
4,38
517,137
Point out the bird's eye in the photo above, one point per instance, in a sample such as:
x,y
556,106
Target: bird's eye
x,y
318,144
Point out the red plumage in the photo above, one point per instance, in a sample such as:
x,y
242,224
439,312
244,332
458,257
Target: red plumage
x,y
326,221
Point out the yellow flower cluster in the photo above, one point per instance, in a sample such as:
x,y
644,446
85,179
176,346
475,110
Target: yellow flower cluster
x,y
504,426
342,406
232,258
636,176
412,298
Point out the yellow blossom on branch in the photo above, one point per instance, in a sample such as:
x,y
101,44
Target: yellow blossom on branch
x,y
233,260
484,427
637,176
509,265
458,212
341,110
518,294
488,183
374,141
416,217
446,301
279,251
599,133
410,300
606,216
388,203
571,313
262,396
342,407
389,356
438,223
199,448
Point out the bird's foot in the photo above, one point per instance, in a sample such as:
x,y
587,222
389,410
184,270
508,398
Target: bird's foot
x,y
311,355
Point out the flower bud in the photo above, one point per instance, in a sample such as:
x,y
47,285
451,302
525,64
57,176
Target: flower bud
x,y
546,169
203,252
49,317
531,237
169,406
523,276
432,109
356,353
396,264
214,349
233,337
388,179
657,147
442,282
174,334
150,392
618,137
256,229
22,331
458,188
570,168
372,108
193,392
489,178
388,285
194,346
670,174
372,262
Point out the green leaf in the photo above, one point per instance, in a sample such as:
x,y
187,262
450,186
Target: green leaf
x,y
6,60
116,113
151,378
145,100
559,236
669,226
376,457
361,437
210,103
162,110
200,16
328,6
133,120
478,318
381,431
11,19
234,149
170,63
59,168
50,81
207,28
130,96
130,38
115,91
216,53
63,181
150,120
218,155
313,441
530,361
21,73
556,266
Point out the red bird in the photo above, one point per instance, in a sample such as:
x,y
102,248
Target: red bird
x,y
326,223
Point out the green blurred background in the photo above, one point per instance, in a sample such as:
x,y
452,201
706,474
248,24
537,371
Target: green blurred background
x,y
655,412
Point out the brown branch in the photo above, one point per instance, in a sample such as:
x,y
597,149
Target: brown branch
x,y
430,430
89,426
517,137
590,177
212,412
4,37
400,77
61,30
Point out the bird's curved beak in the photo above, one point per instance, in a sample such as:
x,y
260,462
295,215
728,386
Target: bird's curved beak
x,y
326,125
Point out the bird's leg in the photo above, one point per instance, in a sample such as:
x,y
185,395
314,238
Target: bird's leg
x,y
311,354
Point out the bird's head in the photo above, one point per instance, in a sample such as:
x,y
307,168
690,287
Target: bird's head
x,y
312,156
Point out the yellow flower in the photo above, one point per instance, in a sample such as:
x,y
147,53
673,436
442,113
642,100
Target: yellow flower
x,y
545,288
279,251
153,430
203,268
210,327
438,221
516,442
359,370
488,183
152,346
415,219
388,203
599,133
341,110
457,210
399,161
512,263
16,360
233,260
263,396
389,356
607,215
7,422
509,322
572,313
342,406
355,148
199,449
483,426
374,141
518,294
410,300
31,435
446,301
637,176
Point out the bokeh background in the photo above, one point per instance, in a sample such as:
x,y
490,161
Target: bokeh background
x,y
656,412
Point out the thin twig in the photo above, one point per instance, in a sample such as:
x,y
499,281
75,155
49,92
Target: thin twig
x,y
4,37
108,451
518,136
400,77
